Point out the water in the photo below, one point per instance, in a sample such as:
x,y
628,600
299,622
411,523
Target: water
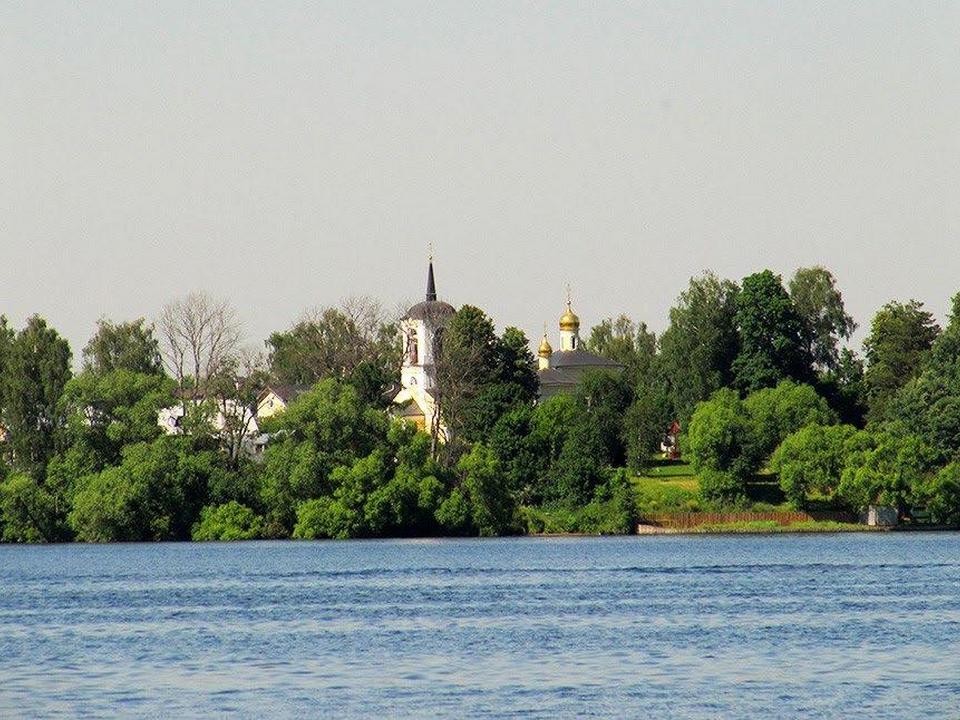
x,y
748,626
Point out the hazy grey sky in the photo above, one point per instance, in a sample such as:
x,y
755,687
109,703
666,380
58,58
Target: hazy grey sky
x,y
287,154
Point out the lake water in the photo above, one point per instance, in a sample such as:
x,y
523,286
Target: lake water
x,y
707,626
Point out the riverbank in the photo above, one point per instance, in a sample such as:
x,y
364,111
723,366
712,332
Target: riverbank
x,y
756,527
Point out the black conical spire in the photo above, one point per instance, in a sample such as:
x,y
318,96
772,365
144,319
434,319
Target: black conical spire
x,y
431,284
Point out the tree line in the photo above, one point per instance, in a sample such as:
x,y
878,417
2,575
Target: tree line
x,y
756,372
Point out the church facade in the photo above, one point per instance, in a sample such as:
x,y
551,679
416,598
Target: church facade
x,y
562,370
421,332
421,335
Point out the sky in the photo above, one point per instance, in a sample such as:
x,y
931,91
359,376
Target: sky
x,y
285,155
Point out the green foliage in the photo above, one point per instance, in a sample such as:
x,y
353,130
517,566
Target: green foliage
x,y
722,487
454,514
901,335
777,412
324,429
819,304
772,335
231,521
492,507
154,494
645,423
611,512
481,377
628,343
581,466
108,410
129,346
929,404
28,512
394,490
720,439
885,469
698,348
811,460
352,343
940,494
36,367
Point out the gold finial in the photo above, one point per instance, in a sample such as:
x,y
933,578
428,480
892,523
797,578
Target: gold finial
x,y
569,320
545,350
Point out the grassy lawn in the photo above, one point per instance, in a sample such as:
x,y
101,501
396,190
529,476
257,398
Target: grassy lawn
x,y
672,486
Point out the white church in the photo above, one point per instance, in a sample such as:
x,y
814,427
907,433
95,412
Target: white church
x,y
422,330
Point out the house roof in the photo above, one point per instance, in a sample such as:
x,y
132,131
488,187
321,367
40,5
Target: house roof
x,y
557,377
581,359
287,393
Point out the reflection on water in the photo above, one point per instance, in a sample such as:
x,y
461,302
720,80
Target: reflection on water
x,y
826,625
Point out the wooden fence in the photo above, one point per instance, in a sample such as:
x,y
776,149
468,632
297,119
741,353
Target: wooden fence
x,y
682,521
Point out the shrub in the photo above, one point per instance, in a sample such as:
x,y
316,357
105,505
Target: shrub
x,y
230,521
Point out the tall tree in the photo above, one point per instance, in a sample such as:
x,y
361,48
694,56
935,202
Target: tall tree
x,y
628,343
123,346
200,335
818,301
355,341
901,335
772,344
698,348
37,366
929,404
7,336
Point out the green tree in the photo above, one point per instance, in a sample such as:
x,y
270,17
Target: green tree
x,y
106,411
886,469
698,348
772,345
628,343
28,512
719,442
602,400
324,429
777,412
156,493
129,346
811,460
645,424
231,521
37,367
492,506
480,377
941,495
581,467
353,342
901,335
929,404
819,303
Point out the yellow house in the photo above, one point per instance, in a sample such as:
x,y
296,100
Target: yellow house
x,y
275,398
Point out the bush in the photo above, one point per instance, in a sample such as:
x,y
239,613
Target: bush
x,y
722,488
812,460
231,521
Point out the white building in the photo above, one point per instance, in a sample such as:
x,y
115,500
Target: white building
x,y
421,332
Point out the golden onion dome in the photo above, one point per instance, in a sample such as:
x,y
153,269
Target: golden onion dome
x,y
545,350
569,320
